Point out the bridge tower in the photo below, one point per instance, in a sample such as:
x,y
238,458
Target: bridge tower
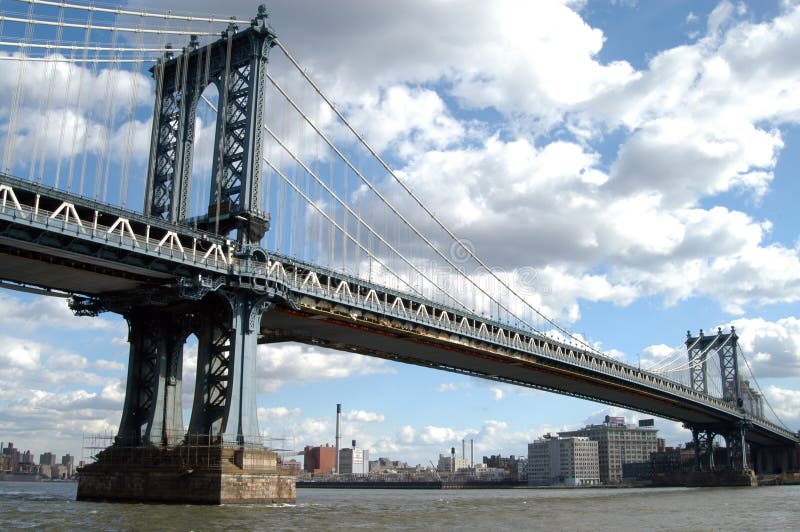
x,y
152,446
700,350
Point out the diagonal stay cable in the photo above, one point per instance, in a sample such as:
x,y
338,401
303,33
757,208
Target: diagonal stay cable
x,y
335,224
432,215
391,207
676,355
361,220
750,370
349,210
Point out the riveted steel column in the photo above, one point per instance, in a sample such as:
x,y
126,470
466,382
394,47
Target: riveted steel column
x,y
225,392
737,446
152,413
703,449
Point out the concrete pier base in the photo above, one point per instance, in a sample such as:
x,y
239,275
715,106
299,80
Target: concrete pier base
x,y
726,477
184,475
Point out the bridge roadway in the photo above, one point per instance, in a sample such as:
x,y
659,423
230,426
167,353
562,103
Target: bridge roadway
x,y
55,241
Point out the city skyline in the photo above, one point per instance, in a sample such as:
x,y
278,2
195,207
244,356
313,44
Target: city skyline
x,y
632,166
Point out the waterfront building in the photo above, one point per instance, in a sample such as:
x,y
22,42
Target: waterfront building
x,y
59,471
320,460
571,461
450,463
48,459
68,461
385,464
353,461
518,469
618,444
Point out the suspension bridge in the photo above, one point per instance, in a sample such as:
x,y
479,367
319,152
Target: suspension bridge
x,y
267,217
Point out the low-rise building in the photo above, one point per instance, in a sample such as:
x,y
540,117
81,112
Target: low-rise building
x,y
353,461
449,463
571,461
319,460
618,444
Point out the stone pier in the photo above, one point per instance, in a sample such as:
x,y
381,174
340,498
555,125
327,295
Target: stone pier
x,y
187,475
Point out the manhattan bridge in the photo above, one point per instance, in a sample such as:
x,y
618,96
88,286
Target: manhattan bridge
x,y
267,217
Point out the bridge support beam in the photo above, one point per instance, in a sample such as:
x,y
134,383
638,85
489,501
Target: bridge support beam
x,y
776,460
225,392
735,471
153,414
703,449
736,447
221,459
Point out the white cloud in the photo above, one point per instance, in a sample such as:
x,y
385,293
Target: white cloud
x,y
265,415
772,348
439,435
786,404
362,416
48,313
282,363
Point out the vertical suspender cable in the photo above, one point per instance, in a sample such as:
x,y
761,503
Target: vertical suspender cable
x,y
54,70
90,117
78,120
108,114
70,69
11,135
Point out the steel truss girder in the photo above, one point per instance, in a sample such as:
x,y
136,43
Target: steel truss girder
x,y
225,391
236,64
152,413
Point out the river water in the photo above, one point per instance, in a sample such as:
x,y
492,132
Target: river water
x,y
52,506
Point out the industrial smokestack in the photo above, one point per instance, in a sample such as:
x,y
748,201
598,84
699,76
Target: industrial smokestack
x,y
471,452
464,450
453,459
354,444
338,433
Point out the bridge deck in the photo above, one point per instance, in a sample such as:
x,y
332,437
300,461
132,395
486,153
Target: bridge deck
x,y
54,240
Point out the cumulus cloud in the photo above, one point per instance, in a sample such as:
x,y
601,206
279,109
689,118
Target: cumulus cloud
x,y
282,363
39,313
772,348
786,403
277,413
362,416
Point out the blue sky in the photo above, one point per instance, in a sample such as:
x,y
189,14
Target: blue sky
x,y
637,159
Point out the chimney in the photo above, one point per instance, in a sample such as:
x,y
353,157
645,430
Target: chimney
x,y
453,459
463,449
471,453
338,433
354,444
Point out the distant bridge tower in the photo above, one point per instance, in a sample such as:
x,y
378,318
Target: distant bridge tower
x,y
725,346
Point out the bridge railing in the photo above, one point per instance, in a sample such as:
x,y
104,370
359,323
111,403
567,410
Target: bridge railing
x,y
71,215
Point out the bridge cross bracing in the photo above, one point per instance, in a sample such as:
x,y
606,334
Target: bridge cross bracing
x,y
351,257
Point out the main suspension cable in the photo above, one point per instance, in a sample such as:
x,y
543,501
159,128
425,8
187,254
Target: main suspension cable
x,y
386,202
4,18
335,224
143,14
432,215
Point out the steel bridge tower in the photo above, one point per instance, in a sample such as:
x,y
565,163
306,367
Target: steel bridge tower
x,y
725,347
224,316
